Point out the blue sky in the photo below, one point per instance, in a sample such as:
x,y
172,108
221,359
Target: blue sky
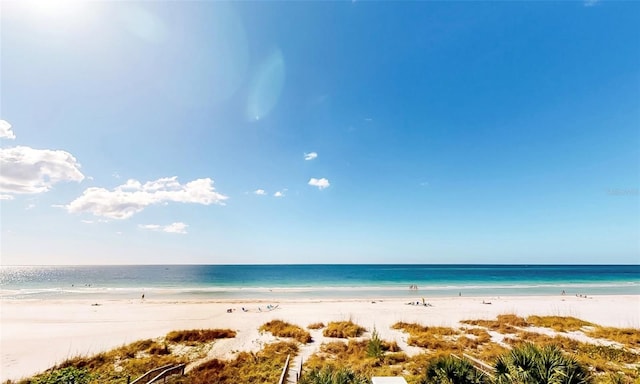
x,y
337,132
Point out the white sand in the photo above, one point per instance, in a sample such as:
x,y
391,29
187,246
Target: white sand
x,y
38,334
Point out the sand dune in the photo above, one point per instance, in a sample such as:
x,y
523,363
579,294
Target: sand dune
x,y
38,334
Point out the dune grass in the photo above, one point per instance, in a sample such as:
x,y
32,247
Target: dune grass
x,y
354,355
558,323
343,329
199,335
506,323
264,366
315,326
433,338
283,329
129,361
441,341
626,336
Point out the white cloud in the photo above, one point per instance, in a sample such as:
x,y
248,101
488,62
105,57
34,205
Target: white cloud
x,y
94,221
176,228
132,197
590,3
151,227
28,170
310,155
320,183
180,228
260,192
5,130
30,206
6,197
278,194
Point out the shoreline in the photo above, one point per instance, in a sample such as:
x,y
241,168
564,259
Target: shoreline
x,y
70,327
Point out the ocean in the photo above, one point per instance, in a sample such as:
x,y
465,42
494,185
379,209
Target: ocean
x,y
268,282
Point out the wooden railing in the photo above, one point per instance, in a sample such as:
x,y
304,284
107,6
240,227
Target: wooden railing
x,y
144,379
155,375
299,370
479,365
178,369
285,370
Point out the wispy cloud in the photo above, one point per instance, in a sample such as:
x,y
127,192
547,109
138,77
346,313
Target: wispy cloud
x,y
5,130
6,197
590,3
278,194
180,228
260,192
310,155
320,183
132,197
28,170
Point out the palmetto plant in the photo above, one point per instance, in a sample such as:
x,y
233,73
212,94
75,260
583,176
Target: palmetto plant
x,y
449,370
529,364
330,375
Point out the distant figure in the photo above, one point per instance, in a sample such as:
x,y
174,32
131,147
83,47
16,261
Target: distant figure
x,y
459,293
143,296
563,292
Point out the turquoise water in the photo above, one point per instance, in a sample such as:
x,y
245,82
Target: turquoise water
x,y
313,281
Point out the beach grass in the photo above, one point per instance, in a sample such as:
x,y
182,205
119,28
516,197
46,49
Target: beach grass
x,y
114,366
355,356
557,323
199,335
265,366
505,323
618,363
343,329
283,329
629,337
315,326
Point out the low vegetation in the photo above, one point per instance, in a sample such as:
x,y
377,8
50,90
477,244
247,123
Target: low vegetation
x,y
264,366
354,360
315,326
557,323
65,375
626,336
199,335
115,366
531,364
448,369
503,324
432,338
130,361
283,329
343,329
358,356
331,375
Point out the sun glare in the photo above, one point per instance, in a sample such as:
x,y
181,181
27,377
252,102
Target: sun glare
x,y
63,9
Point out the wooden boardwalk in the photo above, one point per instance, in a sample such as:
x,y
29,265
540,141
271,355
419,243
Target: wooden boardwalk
x,y
160,374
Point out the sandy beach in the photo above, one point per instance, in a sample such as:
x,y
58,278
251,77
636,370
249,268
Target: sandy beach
x,y
38,334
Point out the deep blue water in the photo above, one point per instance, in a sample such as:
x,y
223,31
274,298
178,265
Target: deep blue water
x,y
314,281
